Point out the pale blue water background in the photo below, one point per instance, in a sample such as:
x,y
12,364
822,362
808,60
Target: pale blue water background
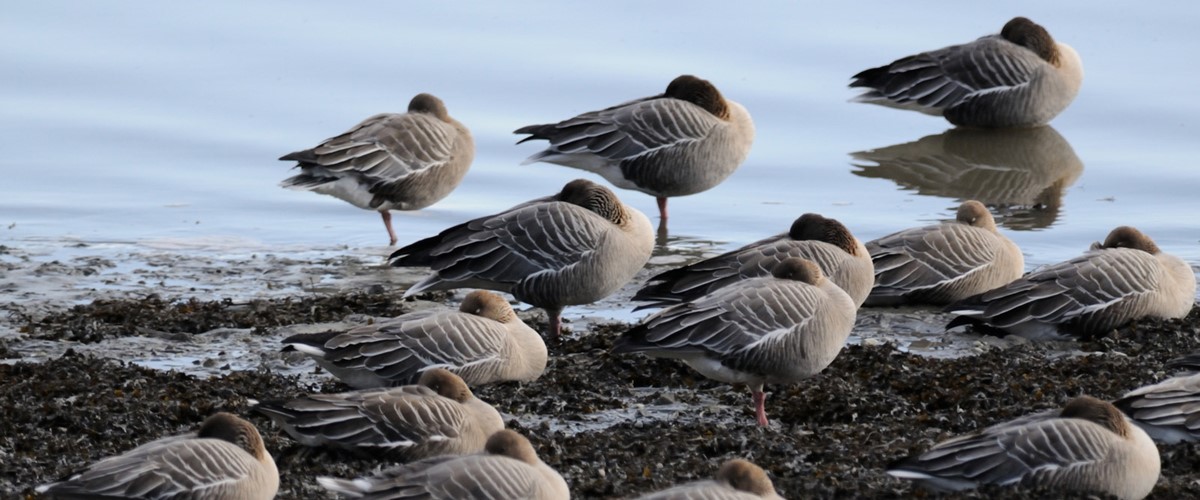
x,y
138,123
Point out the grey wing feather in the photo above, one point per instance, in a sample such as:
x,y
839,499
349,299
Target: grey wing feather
x,y
477,477
1168,408
175,468
400,350
923,258
385,148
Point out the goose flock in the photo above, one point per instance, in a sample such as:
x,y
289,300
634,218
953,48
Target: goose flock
x,y
776,311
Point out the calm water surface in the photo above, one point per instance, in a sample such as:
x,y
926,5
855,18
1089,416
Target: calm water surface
x,y
137,123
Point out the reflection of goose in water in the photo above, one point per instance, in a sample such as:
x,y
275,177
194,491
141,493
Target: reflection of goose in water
x,y
1024,172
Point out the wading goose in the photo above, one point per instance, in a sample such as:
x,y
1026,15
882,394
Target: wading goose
x,y
1088,447
944,263
575,247
681,142
390,161
509,468
1168,411
1019,78
1125,278
824,241
775,329
438,416
224,459
482,342
736,480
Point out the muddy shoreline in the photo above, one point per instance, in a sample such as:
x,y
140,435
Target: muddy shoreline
x,y
614,426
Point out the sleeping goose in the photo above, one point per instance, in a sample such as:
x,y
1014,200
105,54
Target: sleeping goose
x,y
1087,447
1019,78
438,416
824,241
681,142
1125,278
1168,411
736,480
390,161
224,459
575,247
509,468
483,342
943,263
774,329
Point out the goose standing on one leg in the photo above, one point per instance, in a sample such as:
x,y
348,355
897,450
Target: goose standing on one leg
x,y
681,142
575,247
390,161
1019,78
775,329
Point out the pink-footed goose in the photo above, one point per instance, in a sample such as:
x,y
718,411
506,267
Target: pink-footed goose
x,y
736,480
944,263
575,247
775,329
508,469
1087,447
438,416
824,241
483,342
1168,411
1019,78
681,142
224,459
390,161
1125,278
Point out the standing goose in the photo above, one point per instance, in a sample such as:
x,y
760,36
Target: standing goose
x,y
439,416
509,468
224,459
824,241
390,161
575,247
1087,447
681,142
1019,78
774,329
1168,411
483,342
1125,278
944,263
736,480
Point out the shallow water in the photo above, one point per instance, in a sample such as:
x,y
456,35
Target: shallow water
x,y
141,128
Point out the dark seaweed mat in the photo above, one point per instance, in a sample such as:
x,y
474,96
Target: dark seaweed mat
x,y
831,437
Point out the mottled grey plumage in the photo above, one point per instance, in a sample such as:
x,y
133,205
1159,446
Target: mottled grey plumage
x,y
1019,78
824,241
943,263
1025,170
438,416
575,247
483,342
390,161
736,480
224,459
681,142
775,329
1125,278
1088,447
1169,411
509,469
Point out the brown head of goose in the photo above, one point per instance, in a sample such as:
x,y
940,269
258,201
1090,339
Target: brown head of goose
x,y
681,142
943,263
226,458
390,161
575,247
1021,77
508,468
483,342
822,240
1087,447
438,416
737,479
1122,279
781,328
